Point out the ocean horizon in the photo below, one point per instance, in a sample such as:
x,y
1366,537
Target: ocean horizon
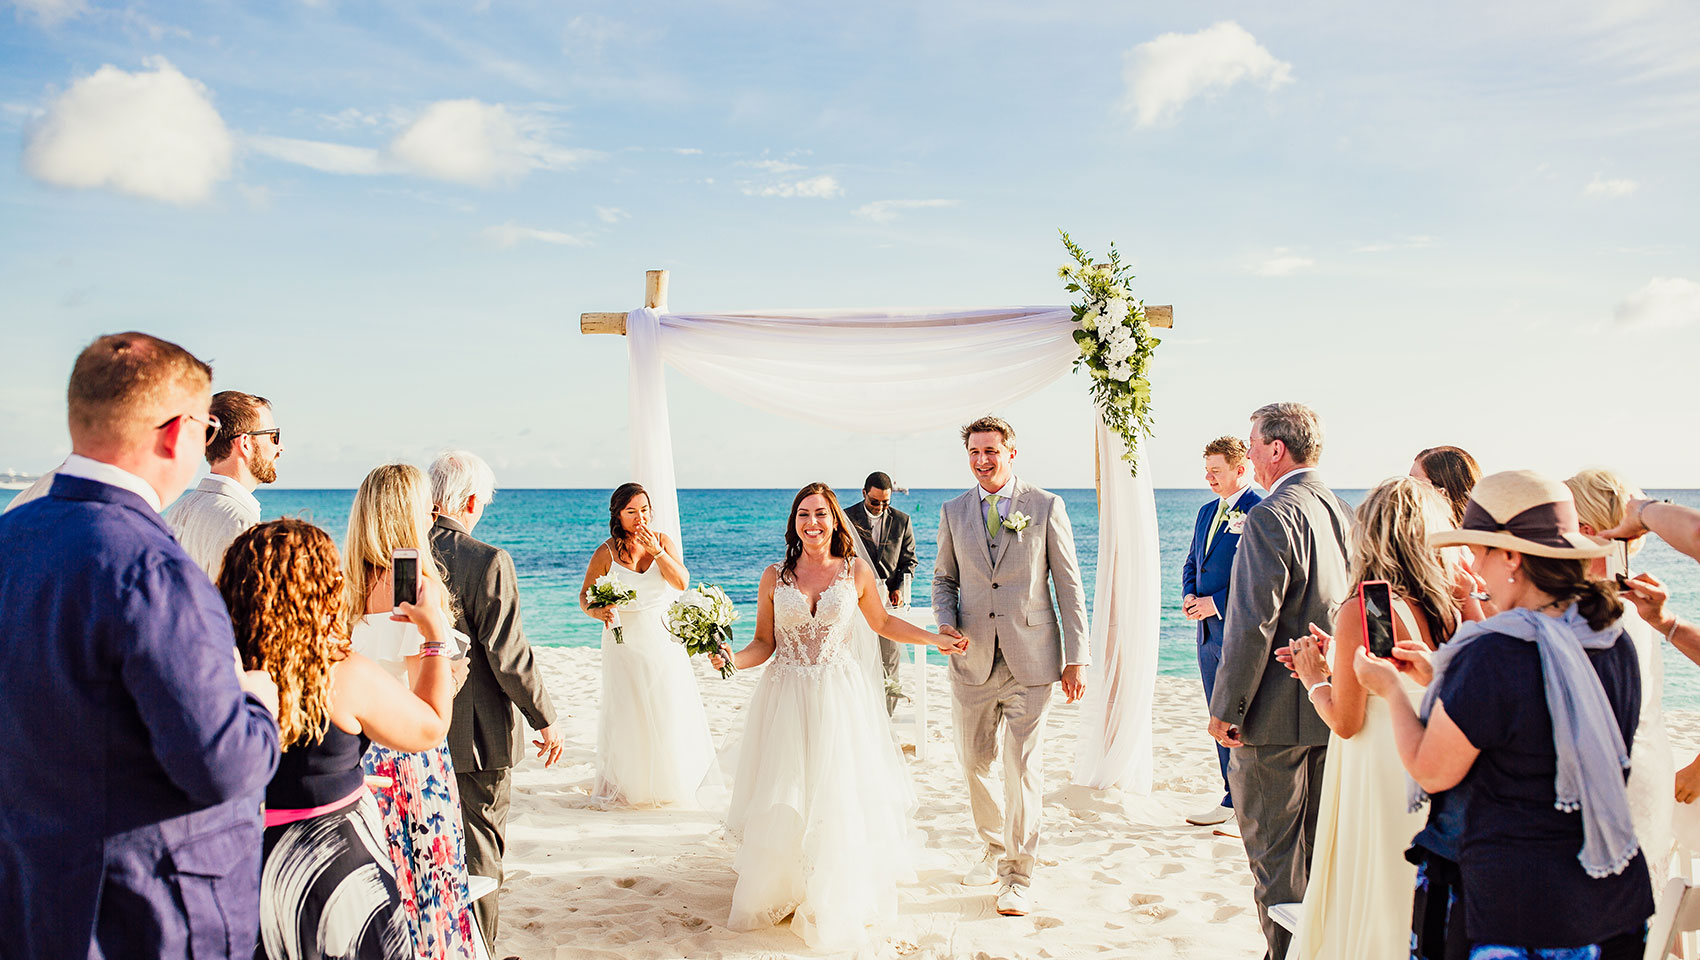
x,y
731,534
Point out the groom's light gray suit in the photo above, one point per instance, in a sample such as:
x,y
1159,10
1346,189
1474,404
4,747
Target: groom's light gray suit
x,y
1290,572
997,592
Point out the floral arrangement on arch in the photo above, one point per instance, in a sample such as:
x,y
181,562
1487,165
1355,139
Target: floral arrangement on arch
x,y
1115,343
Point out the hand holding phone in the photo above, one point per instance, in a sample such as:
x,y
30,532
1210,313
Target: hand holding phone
x,y
404,578
1375,607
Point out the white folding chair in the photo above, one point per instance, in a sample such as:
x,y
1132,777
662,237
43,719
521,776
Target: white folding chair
x,y
477,888
1287,915
1678,913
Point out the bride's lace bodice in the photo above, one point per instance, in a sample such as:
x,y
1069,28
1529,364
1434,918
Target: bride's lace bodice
x,y
804,639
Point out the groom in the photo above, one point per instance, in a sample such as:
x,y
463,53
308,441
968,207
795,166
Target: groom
x,y
1002,546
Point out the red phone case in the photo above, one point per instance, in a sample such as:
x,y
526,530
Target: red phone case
x,y
1363,613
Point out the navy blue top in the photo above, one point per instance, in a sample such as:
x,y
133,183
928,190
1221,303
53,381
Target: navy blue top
x,y
1523,884
315,774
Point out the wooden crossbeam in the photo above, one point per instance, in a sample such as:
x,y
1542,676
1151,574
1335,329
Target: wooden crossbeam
x,y
655,295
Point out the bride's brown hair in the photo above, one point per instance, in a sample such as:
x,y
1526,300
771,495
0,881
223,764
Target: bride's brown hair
x,y
843,542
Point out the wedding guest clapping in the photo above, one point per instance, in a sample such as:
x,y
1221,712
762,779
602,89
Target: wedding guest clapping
x,y
1532,712
1358,902
1601,499
136,750
283,583
1452,471
652,737
421,809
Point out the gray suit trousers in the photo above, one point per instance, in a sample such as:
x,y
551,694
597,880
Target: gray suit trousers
x,y
484,796
979,712
1277,793
890,659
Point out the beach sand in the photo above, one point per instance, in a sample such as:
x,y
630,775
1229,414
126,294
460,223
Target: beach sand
x,y
1119,876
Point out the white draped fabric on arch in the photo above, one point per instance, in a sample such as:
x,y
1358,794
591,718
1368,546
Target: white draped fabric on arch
x,y
928,370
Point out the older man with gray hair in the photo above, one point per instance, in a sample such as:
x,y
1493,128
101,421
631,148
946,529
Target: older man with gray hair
x,y
484,735
1290,572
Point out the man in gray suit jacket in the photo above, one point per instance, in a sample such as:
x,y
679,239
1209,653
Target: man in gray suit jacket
x,y
243,455
1290,572
890,539
502,677
1002,546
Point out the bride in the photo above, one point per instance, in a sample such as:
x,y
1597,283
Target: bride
x,y
822,803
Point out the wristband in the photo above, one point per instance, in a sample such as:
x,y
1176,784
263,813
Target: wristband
x,y
431,650
1311,693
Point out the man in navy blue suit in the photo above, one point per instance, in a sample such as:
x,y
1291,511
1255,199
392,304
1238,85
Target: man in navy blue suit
x,y
1205,577
136,751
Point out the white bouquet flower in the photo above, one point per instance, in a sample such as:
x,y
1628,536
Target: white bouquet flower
x,y
702,619
608,591
1017,522
1116,310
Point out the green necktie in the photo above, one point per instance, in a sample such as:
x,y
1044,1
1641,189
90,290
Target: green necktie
x,y
1216,524
993,522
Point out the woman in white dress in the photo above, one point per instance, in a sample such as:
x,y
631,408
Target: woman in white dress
x,y
653,746
1601,498
822,803
1358,902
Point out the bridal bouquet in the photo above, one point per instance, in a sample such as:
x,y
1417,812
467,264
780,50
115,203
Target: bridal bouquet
x,y
1115,342
608,591
702,619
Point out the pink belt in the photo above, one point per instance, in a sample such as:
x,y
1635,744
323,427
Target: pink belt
x,y
277,818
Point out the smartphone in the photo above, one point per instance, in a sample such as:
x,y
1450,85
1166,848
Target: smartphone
x,y
1623,576
404,571
1375,601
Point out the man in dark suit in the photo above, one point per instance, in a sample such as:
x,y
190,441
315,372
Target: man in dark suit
x,y
136,751
887,532
502,681
1206,574
1290,572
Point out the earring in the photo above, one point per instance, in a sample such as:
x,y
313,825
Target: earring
x,y
1510,579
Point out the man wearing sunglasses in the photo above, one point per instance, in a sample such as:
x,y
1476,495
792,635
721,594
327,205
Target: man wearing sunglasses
x,y
243,452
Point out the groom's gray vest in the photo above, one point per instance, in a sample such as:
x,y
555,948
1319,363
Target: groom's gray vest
x,y
999,594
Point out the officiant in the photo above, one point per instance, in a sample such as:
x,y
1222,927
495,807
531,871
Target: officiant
x,y
891,538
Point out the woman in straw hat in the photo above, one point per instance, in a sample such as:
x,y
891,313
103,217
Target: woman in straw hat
x,y
1531,713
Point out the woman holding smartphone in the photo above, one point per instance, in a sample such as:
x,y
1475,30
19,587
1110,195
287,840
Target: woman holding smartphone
x,y
1532,712
389,532
653,745
1358,902
324,843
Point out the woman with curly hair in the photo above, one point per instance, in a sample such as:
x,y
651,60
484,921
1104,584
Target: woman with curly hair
x,y
326,889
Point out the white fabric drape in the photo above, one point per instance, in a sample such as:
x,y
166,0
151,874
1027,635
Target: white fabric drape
x,y
863,371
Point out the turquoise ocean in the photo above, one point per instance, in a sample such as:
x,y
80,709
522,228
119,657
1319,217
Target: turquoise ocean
x,y
731,535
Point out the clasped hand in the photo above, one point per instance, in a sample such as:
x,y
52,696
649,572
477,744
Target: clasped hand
x,y
958,644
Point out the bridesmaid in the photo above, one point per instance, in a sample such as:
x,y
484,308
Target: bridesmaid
x,y
652,741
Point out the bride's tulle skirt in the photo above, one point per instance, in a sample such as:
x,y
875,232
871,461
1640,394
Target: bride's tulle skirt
x,y
653,744
823,806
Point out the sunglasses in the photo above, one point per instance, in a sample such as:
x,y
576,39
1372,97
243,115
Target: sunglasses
x,y
276,433
210,420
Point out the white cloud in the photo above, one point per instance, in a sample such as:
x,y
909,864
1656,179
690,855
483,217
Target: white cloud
x,y
611,214
1418,242
1663,302
153,133
1163,74
1601,187
508,235
771,166
820,188
469,141
686,151
50,13
885,211
1283,263
324,157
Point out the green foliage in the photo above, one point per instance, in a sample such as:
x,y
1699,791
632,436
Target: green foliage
x,y
1115,342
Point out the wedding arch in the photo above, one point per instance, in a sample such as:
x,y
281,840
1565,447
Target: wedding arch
x,y
906,366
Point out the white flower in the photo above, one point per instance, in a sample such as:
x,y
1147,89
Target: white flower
x,y
1118,291
1116,309
1236,521
1122,372
1120,333
1064,270
608,580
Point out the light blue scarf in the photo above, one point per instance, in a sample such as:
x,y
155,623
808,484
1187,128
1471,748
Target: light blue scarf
x,y
1585,733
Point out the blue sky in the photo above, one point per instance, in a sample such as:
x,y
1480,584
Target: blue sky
x,y
1455,223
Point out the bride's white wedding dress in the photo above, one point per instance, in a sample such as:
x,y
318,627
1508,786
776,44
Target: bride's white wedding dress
x,y
822,802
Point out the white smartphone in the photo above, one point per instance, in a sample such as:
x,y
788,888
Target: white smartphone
x,y
404,572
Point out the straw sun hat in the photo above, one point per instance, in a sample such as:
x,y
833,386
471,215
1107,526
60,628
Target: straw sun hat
x,y
1523,511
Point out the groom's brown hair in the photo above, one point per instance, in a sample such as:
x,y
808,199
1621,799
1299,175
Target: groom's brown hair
x,y
996,425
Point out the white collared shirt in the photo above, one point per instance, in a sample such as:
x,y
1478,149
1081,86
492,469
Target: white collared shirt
x,y
80,466
235,489
1003,493
1280,481
876,524
1234,497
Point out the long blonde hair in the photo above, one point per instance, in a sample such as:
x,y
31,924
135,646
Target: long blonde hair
x,y
1390,542
1602,497
391,510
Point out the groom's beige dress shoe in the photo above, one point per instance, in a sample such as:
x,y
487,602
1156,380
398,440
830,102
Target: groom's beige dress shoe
x,y
1219,815
1013,901
982,874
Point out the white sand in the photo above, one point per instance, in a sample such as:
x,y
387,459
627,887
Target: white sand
x,y
1118,876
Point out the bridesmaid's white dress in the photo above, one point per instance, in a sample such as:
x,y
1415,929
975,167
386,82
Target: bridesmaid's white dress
x,y
822,802
653,745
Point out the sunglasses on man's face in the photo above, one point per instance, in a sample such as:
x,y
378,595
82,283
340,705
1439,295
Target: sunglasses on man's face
x,y
276,433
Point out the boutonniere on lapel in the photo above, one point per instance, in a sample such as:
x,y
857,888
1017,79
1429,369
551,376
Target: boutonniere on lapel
x,y
1017,521
1236,521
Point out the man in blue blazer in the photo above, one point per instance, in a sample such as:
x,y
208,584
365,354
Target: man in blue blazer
x,y
1206,573
136,752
